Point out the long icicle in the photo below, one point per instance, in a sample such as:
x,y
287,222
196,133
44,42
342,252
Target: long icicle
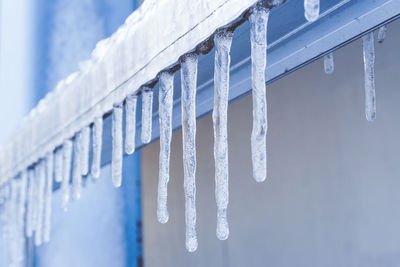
x,y
165,105
329,65
189,85
258,36
58,160
147,113
223,41
48,198
77,168
311,10
130,123
35,184
21,215
369,75
29,206
40,203
85,150
117,153
97,145
382,33
65,187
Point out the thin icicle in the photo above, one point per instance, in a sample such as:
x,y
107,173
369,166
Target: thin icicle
x,y
329,65
116,161
97,144
223,41
382,33
40,203
311,10
258,36
12,224
77,168
65,187
130,123
85,150
29,207
58,160
369,65
188,85
165,105
36,173
21,215
147,114
48,197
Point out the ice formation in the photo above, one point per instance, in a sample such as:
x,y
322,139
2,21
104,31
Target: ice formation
x,y
77,168
85,150
147,114
97,144
329,65
40,203
369,74
29,206
165,105
130,123
58,160
48,197
65,187
311,10
117,152
382,33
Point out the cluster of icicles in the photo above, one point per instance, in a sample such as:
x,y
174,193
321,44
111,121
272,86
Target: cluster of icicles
x,y
26,201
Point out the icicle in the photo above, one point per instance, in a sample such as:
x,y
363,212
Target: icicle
x,y
223,41
311,10
36,173
130,126
369,62
85,150
58,159
97,144
12,224
65,188
382,33
21,215
40,203
29,208
77,168
116,161
48,197
147,114
165,105
188,85
329,66
258,35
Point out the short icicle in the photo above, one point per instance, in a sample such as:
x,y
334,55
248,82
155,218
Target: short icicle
x,y
40,203
311,10
369,75
48,198
223,41
130,123
117,153
189,85
58,160
97,144
85,150
258,36
329,65
382,33
165,105
77,168
147,113
66,175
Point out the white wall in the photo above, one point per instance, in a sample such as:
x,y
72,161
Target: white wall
x,y
332,192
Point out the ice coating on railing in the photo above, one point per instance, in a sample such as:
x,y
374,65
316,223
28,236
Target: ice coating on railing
x,y
65,187
48,197
40,203
147,114
188,87
369,75
223,42
76,167
165,105
97,145
130,123
329,65
58,160
85,150
311,10
117,152
382,33
258,37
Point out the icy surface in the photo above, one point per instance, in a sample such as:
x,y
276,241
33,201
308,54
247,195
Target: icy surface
x,y
97,144
48,197
40,202
188,86
85,150
369,66
382,33
223,41
130,123
258,36
165,105
58,160
329,65
147,114
77,168
117,153
65,188
311,10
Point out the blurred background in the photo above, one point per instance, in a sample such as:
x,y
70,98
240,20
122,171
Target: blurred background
x,y
333,179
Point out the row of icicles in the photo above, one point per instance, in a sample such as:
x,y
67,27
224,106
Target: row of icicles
x,y
26,202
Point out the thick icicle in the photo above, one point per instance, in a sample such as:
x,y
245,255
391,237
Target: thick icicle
x,y
77,168
165,105
311,10
65,188
223,41
147,114
85,150
258,36
117,153
329,65
40,203
48,197
29,206
130,123
188,85
97,144
58,160
369,65
382,33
